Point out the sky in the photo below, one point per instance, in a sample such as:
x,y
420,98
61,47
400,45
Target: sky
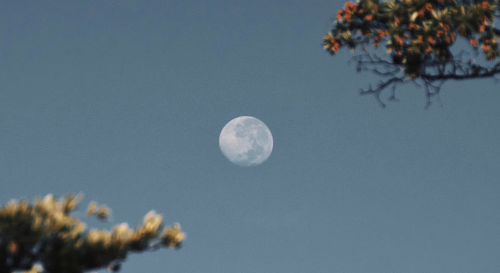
x,y
124,101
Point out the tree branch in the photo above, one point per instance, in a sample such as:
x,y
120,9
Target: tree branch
x,y
434,74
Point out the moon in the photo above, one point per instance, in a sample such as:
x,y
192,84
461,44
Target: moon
x,y
246,141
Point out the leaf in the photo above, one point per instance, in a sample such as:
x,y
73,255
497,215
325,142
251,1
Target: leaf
x,y
413,16
435,14
345,35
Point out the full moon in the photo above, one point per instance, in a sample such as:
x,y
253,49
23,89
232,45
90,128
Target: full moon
x,y
246,141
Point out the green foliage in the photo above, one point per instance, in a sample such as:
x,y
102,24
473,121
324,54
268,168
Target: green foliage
x,y
46,233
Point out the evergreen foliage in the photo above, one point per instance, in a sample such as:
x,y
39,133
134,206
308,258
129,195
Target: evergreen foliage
x,y
44,237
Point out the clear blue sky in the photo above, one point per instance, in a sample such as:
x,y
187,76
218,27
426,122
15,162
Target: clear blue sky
x,y
125,100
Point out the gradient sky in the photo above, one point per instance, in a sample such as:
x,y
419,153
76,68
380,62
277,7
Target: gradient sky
x,y
124,101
